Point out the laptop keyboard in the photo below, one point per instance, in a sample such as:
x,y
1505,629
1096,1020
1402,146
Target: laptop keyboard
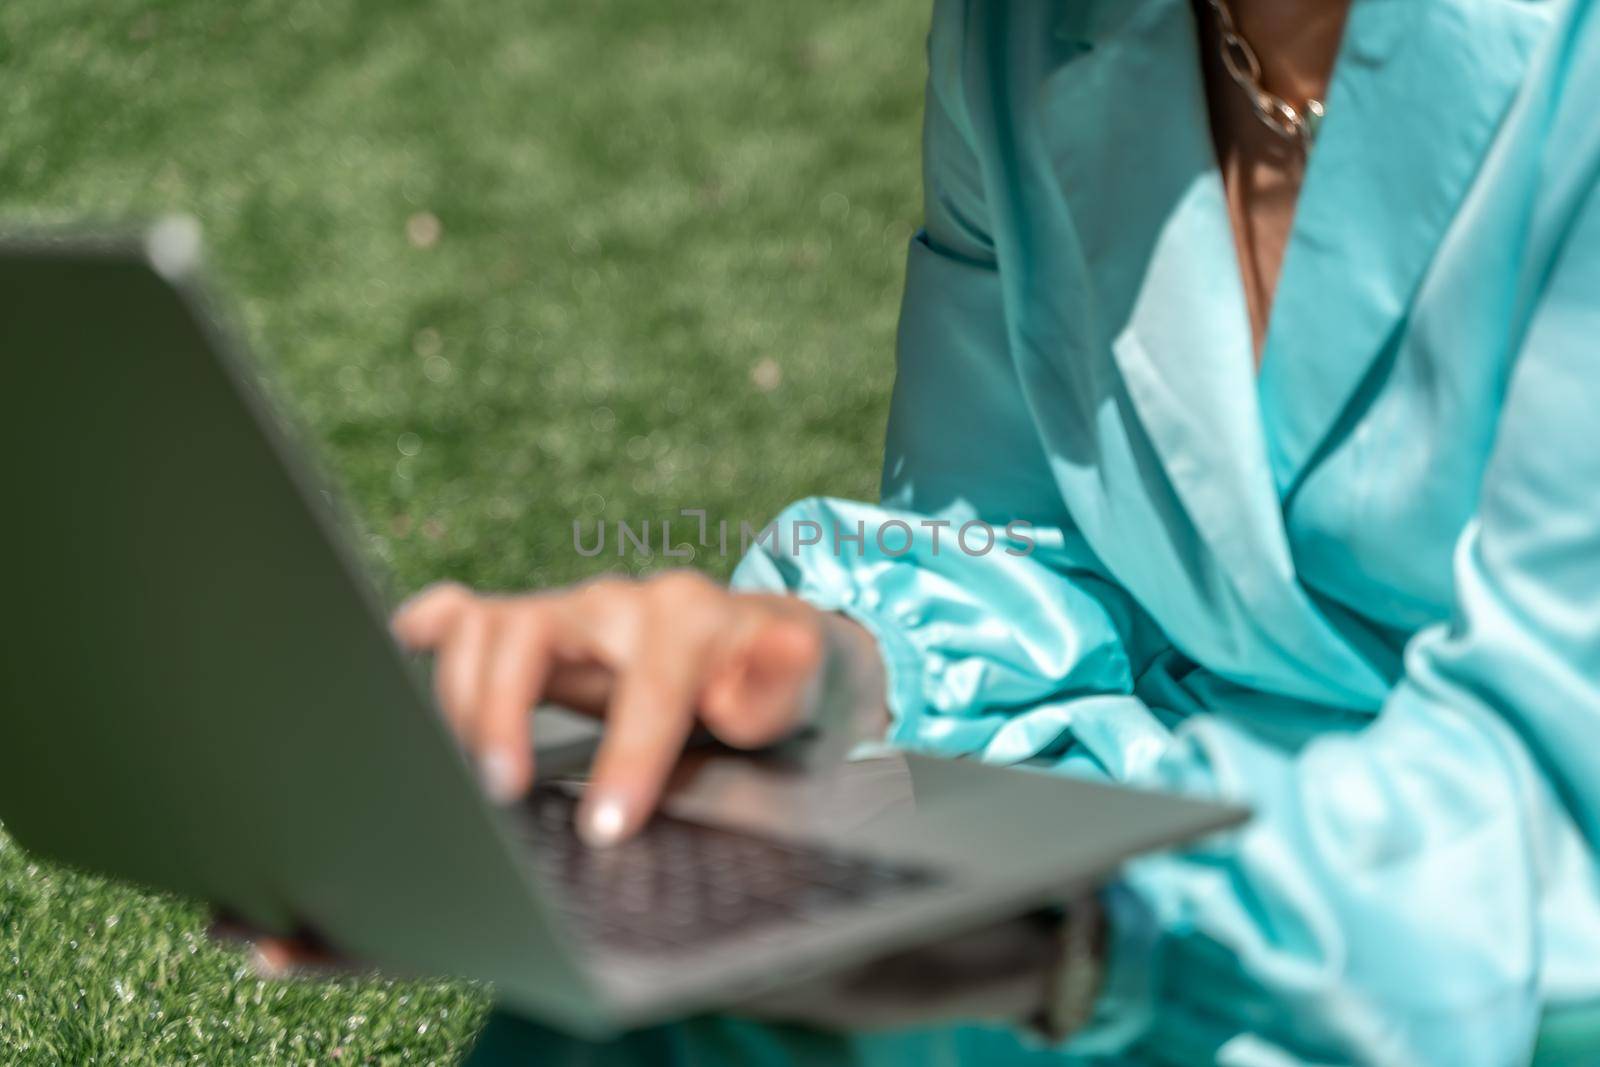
x,y
679,883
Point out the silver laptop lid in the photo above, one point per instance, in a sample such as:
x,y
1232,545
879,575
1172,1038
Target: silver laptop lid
x,y
204,697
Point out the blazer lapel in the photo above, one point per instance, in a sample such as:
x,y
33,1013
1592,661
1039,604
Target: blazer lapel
x,y
1417,95
1129,173
1116,238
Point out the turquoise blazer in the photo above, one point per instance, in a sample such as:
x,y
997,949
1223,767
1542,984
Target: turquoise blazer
x,y
1359,592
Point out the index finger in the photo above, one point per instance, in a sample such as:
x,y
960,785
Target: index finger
x,y
421,622
651,715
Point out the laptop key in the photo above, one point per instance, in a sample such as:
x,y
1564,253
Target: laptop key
x,y
681,883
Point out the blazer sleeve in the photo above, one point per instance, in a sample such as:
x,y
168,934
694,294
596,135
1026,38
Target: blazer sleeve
x,y
991,647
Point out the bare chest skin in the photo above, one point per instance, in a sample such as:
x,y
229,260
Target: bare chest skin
x,y
1296,42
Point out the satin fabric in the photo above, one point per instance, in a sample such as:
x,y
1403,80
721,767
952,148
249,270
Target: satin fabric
x,y
1360,592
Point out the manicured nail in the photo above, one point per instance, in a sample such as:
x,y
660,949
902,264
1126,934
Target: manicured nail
x,y
603,821
498,773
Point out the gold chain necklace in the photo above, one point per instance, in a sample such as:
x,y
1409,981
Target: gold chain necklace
x,y
1276,113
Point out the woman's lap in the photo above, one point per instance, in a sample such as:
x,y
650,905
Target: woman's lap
x,y
508,1041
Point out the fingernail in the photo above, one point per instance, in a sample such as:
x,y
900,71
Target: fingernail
x,y
602,823
264,965
498,773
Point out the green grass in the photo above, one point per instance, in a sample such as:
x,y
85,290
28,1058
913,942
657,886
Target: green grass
x,y
664,273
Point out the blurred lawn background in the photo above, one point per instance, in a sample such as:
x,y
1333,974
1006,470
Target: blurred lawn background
x,y
509,264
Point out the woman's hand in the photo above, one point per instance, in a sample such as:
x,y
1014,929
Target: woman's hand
x,y
654,657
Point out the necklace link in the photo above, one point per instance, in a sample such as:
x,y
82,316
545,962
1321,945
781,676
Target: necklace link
x,y
1243,66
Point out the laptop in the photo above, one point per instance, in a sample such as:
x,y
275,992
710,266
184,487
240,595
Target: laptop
x,y
204,698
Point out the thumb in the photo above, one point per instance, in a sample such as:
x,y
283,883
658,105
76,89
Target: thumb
x,y
758,693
